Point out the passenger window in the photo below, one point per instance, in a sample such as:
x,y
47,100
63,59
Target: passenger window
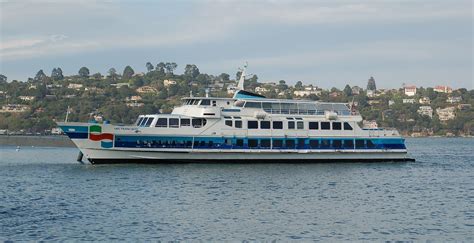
x,y
265,143
228,123
185,122
314,144
252,143
360,144
277,143
162,122
238,124
197,123
347,126
139,121
277,125
239,142
264,124
143,122
291,125
313,125
300,125
348,144
325,126
174,122
301,143
336,126
252,125
325,143
337,143
370,144
214,103
290,143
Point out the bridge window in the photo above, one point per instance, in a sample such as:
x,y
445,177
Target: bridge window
x,y
139,121
185,122
336,126
228,123
313,125
205,102
174,122
300,125
347,126
264,124
291,125
277,125
150,120
238,124
325,126
252,125
162,122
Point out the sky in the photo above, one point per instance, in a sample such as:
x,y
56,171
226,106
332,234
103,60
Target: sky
x,y
326,43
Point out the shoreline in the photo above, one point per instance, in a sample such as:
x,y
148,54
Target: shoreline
x,y
37,141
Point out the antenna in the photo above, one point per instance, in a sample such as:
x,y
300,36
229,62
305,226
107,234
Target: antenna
x,y
240,85
67,114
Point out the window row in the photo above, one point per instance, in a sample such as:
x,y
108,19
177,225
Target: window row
x,y
300,125
241,143
171,122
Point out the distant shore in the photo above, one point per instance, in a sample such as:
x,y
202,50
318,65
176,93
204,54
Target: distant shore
x,y
38,141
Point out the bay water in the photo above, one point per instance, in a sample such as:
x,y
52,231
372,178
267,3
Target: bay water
x,y
46,195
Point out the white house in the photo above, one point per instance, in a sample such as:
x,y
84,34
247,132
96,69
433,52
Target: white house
x,y
302,93
408,101
369,124
443,89
425,111
446,113
168,82
424,100
410,90
75,86
454,99
26,98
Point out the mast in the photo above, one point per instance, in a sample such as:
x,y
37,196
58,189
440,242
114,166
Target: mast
x,y
240,85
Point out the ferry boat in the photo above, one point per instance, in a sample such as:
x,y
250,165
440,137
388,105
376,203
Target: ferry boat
x,y
245,128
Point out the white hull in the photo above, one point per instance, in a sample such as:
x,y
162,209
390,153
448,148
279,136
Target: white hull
x,y
133,156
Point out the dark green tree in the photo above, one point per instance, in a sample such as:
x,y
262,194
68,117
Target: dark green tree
x,y
57,74
160,67
299,85
348,90
224,77
170,67
149,67
84,72
40,76
191,71
3,78
128,73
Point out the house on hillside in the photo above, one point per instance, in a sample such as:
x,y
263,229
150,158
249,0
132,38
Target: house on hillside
x,y
424,100
410,90
425,111
408,101
26,98
446,114
454,99
147,90
443,89
168,82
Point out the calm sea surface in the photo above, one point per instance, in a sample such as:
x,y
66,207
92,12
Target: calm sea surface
x,y
46,195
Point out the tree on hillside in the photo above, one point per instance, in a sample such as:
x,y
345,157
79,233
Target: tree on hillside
x,y
347,90
57,74
224,77
128,73
113,74
40,76
84,72
149,67
3,78
160,67
170,67
299,85
191,71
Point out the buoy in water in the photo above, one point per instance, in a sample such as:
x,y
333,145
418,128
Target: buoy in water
x,y
17,148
